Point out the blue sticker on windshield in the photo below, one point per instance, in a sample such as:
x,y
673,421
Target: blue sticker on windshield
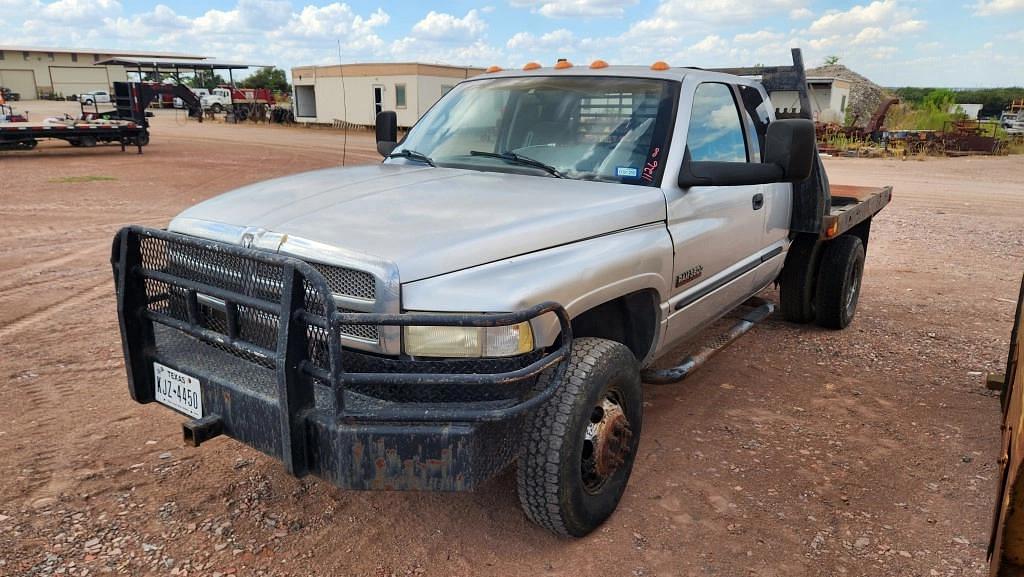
x,y
626,171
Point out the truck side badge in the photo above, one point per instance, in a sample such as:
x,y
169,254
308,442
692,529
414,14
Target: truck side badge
x,y
689,275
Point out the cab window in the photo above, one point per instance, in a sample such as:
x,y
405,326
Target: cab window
x,y
715,132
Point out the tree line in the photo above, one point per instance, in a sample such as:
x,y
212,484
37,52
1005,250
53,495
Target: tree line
x,y
992,100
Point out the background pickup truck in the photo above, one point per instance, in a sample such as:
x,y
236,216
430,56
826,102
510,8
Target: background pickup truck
x,y
494,291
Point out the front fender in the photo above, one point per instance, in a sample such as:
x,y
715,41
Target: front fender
x,y
579,276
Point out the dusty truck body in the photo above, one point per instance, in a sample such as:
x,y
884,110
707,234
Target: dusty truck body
x,y
1006,541
492,292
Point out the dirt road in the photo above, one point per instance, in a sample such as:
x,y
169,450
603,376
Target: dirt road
x,y
796,452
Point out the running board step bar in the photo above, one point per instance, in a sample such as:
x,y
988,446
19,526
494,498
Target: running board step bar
x,y
762,310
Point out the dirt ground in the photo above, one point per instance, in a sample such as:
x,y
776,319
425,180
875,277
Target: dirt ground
x,y
796,452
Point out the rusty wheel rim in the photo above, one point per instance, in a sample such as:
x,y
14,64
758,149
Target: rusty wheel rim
x,y
606,443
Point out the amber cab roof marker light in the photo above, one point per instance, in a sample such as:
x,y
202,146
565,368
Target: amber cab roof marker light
x,y
562,64
494,69
597,64
531,66
660,65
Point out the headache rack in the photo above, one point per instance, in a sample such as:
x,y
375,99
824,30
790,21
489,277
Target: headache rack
x,y
274,371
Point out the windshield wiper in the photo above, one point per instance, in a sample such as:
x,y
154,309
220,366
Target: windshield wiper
x,y
412,155
519,159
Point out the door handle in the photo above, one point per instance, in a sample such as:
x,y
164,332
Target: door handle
x,y
758,201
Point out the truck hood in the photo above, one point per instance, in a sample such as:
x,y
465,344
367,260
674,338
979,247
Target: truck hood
x,y
426,221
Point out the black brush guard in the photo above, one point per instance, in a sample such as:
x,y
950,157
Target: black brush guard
x,y
283,389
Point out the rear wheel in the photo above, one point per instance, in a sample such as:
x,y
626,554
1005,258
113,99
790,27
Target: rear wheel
x,y
578,448
839,278
87,141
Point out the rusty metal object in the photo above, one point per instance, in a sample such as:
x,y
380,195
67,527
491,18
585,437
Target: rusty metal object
x,y
878,118
1006,544
610,436
964,137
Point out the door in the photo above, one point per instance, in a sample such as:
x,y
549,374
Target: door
x,y
21,81
378,100
717,231
68,80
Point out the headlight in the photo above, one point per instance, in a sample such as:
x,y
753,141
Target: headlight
x,y
506,341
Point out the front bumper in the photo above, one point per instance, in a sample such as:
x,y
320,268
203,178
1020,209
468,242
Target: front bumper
x,y
289,395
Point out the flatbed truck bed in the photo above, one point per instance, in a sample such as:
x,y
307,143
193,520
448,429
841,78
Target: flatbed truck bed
x,y
853,205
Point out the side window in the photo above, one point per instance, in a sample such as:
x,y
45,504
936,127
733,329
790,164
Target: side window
x,y
715,132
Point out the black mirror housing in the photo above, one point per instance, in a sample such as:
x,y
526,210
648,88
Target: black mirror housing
x,y
791,145
387,132
790,148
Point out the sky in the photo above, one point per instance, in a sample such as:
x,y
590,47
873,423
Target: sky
x,y
954,43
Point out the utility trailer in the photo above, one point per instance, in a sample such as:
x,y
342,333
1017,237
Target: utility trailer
x,y
126,124
26,135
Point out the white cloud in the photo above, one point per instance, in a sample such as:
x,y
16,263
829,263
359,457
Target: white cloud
x,y
992,7
710,43
908,26
560,40
575,8
69,11
800,14
759,37
869,35
725,12
857,17
442,26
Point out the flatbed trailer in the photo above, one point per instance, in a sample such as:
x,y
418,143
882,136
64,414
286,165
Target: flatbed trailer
x,y
26,136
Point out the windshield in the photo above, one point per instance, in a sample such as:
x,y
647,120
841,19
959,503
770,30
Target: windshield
x,y
583,127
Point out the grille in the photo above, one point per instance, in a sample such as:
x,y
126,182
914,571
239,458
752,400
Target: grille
x,y
348,282
250,278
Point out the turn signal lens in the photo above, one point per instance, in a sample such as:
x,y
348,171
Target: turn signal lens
x,y
660,65
597,64
531,66
833,228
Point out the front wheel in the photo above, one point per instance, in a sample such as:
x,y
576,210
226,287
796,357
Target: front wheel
x,y
578,449
217,108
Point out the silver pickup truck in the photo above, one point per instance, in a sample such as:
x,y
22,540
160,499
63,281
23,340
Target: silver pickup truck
x,y
495,290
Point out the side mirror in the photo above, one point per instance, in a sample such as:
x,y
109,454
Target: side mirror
x,y
789,154
791,144
387,132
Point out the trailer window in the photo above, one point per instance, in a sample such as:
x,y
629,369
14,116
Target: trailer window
x,y
399,96
715,132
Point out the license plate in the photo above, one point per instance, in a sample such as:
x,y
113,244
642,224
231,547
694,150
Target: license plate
x,y
178,391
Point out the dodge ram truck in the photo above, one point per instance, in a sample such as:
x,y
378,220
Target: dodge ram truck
x,y
494,292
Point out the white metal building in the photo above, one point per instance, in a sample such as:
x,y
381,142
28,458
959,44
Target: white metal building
x,y
973,111
407,88
40,72
829,98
